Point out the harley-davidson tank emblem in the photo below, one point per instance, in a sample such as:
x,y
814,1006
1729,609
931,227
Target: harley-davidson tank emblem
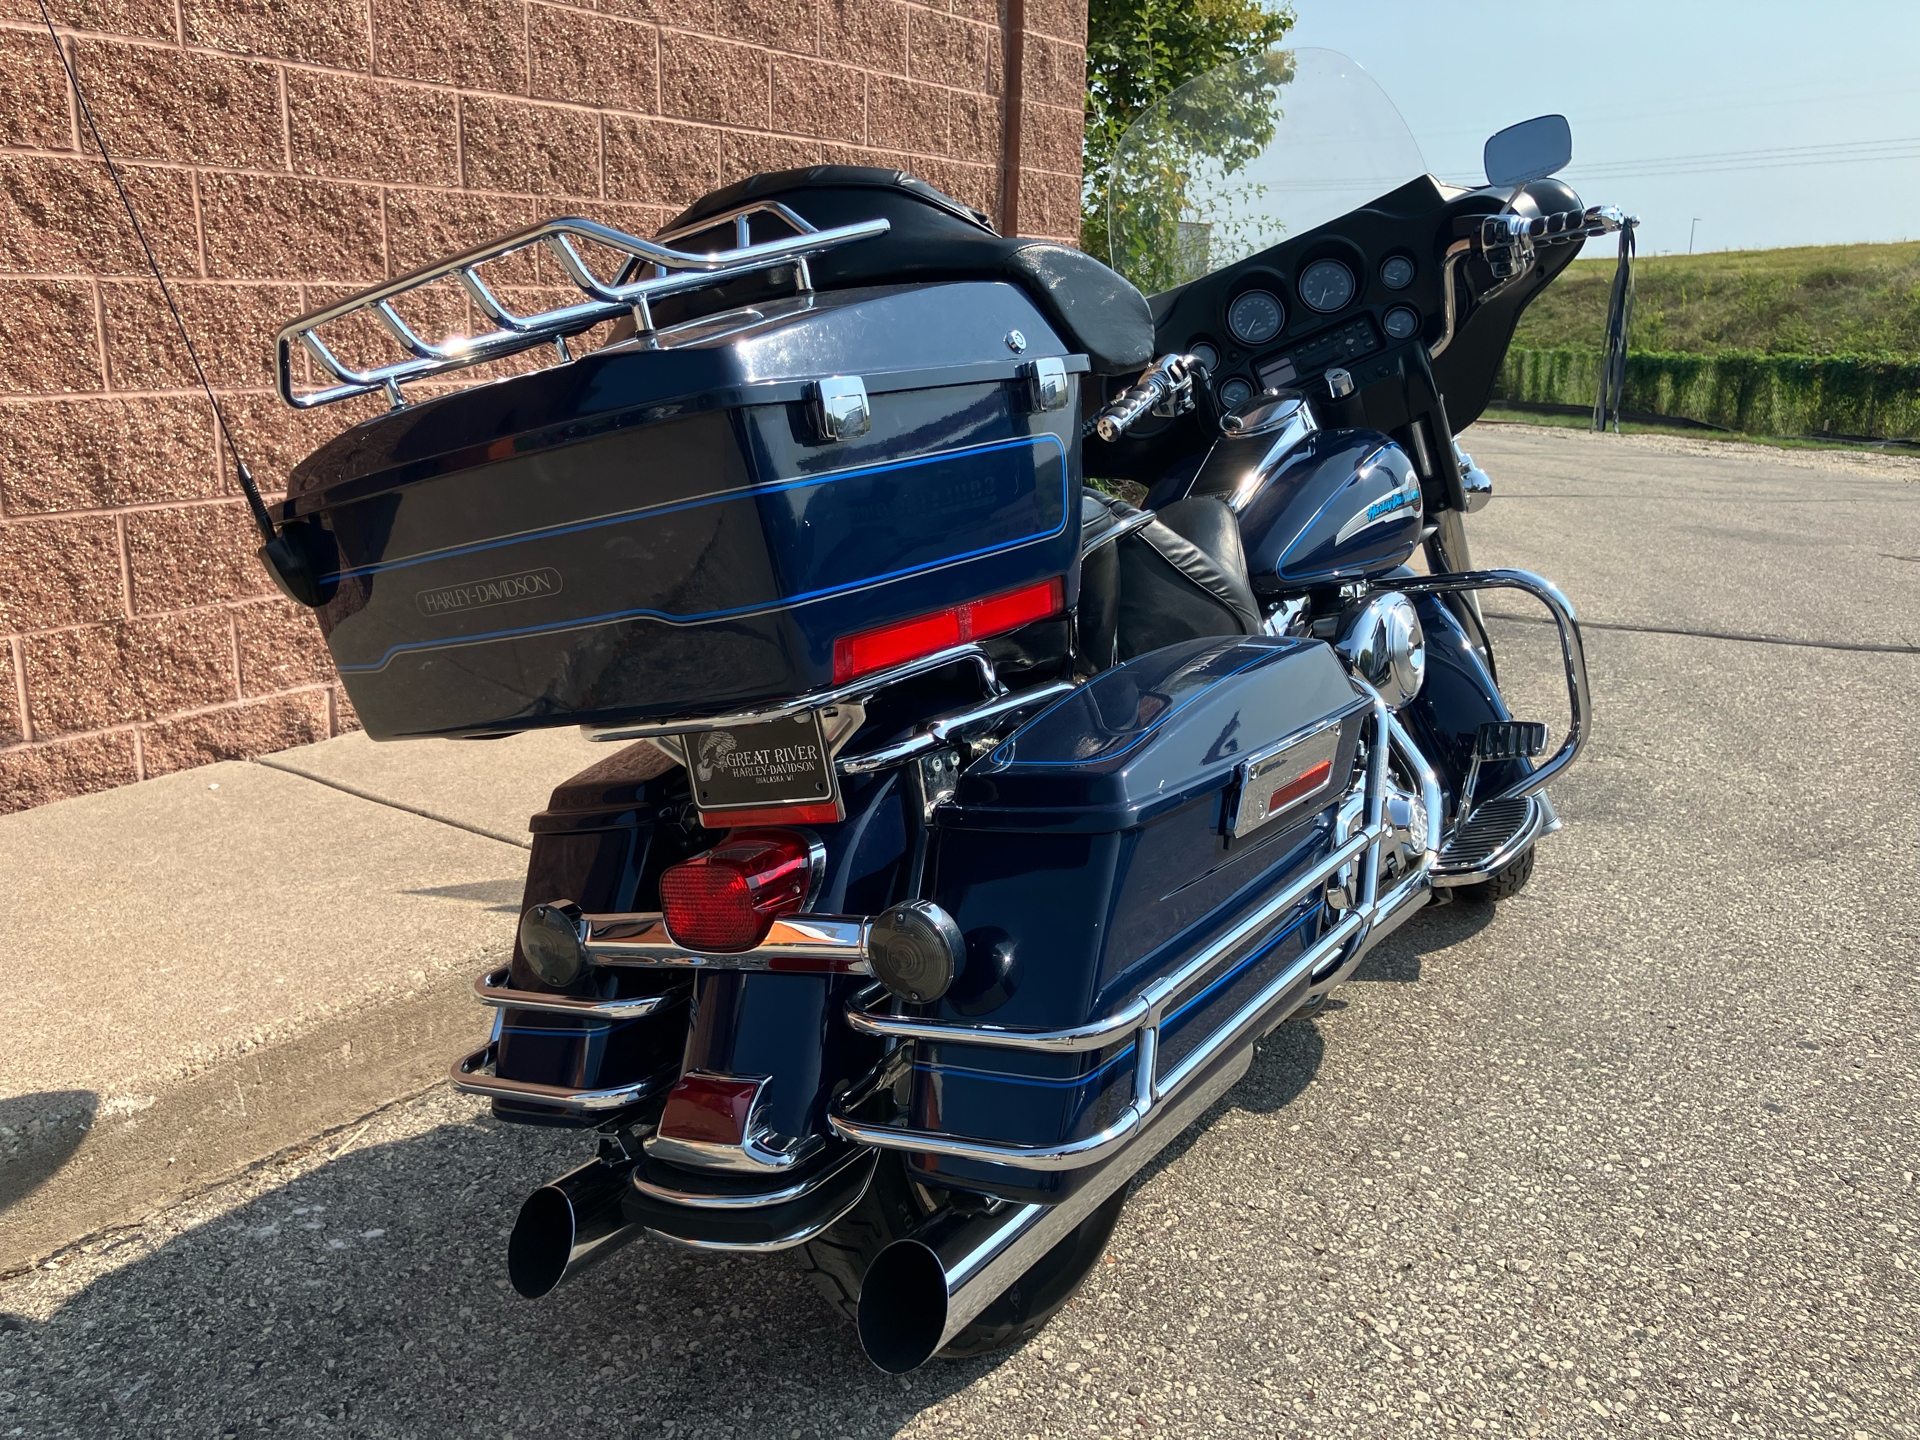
x,y
499,590
1386,507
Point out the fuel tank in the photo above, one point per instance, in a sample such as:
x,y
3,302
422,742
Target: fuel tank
x,y
1318,508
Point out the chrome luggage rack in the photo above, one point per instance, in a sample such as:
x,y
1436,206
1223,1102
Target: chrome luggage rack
x,y
675,272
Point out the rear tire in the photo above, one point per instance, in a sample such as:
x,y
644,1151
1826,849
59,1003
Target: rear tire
x,y
1504,883
893,1205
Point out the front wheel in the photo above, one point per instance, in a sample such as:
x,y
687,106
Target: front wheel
x,y
1505,882
894,1205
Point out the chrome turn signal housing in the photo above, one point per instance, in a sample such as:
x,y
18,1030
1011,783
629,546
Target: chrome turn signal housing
x,y
916,950
553,940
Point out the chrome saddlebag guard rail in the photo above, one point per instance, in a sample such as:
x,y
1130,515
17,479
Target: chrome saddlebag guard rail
x,y
1140,1020
473,1075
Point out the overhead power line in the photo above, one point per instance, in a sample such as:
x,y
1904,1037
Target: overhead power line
x,y
1725,161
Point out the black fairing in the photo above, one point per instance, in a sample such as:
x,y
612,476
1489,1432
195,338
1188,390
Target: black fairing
x,y
1399,386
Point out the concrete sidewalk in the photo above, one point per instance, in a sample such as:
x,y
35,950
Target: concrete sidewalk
x,y
214,965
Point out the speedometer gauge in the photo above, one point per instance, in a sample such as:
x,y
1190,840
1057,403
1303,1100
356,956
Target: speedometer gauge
x,y
1255,318
1326,285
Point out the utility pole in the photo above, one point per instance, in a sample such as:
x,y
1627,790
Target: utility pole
x,y
1690,229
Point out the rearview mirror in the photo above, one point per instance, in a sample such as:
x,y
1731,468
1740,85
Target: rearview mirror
x,y
1531,150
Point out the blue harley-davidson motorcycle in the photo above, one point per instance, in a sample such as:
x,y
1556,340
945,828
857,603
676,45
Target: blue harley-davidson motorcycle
x,y
963,826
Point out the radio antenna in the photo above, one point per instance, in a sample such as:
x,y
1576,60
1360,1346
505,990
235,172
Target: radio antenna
x,y
248,486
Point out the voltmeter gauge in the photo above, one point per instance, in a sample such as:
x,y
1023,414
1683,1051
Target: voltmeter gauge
x,y
1326,286
1256,317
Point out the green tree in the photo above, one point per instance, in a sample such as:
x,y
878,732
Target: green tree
x,y
1138,51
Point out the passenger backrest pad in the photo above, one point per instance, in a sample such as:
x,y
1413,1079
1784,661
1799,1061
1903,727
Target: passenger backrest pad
x,y
934,237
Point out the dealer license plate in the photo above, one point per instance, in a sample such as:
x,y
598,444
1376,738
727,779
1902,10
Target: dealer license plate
x,y
758,767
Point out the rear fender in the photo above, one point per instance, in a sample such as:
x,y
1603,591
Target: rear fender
x,y
603,841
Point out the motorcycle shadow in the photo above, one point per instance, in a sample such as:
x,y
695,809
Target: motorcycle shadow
x,y
1287,1060
1397,959
370,1294
39,1133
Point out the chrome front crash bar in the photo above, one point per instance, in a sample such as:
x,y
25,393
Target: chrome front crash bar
x,y
1140,1020
1573,656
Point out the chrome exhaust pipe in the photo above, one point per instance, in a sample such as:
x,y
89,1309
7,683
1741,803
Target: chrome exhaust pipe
x,y
569,1224
925,1288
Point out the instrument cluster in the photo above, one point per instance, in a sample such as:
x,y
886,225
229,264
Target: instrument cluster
x,y
1286,316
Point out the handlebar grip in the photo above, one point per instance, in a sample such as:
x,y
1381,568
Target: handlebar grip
x,y
1133,403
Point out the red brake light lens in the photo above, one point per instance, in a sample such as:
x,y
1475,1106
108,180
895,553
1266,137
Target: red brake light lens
x,y
728,898
710,1109
856,655
904,640
998,614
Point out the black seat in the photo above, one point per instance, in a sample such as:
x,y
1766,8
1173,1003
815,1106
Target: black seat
x,y
1179,576
935,237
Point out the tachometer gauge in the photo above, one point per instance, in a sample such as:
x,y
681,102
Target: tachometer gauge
x,y
1397,273
1256,317
1326,286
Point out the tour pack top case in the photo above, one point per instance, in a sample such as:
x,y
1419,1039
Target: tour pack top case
x,y
687,522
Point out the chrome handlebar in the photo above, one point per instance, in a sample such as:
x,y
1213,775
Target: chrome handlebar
x,y
1507,243
1558,228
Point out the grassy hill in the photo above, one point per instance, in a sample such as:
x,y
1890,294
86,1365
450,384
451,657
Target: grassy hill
x,y
1812,300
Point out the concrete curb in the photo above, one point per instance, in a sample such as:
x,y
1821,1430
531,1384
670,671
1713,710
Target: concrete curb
x,y
238,1113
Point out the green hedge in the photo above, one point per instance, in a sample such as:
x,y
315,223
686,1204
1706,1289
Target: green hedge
x,y
1738,390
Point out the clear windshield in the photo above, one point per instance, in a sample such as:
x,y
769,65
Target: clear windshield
x,y
1246,155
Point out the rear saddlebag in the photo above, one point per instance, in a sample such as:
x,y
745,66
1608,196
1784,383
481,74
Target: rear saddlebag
x,y
1103,847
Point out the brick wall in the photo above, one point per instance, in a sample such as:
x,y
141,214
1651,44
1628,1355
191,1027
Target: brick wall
x,y
283,154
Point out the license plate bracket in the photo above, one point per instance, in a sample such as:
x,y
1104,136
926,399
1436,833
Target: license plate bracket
x,y
769,765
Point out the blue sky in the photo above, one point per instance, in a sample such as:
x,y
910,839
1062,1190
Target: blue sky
x,y
1776,124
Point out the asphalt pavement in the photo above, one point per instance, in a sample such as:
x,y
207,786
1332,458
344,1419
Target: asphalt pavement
x,y
1633,1154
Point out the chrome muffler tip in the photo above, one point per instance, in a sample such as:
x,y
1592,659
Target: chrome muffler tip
x,y
567,1225
903,1307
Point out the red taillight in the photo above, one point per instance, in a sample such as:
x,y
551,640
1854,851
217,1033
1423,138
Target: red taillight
x,y
710,1109
998,614
855,655
904,640
728,898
